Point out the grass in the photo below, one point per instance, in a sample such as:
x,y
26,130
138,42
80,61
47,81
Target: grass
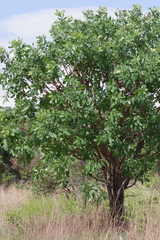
x,y
24,217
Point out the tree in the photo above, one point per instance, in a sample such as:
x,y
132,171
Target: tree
x,y
89,95
8,173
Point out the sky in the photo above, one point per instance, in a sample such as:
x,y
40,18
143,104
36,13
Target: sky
x,y
31,18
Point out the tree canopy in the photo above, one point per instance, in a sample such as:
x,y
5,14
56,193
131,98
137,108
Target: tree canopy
x,y
91,95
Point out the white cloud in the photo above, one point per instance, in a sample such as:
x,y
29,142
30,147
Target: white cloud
x,y
32,24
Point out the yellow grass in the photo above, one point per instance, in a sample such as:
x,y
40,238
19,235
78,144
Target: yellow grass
x,y
12,197
57,218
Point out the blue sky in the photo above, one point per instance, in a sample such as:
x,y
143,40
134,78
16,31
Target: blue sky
x,y
30,18
11,7
27,19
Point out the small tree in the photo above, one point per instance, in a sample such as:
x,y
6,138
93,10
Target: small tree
x,y
89,95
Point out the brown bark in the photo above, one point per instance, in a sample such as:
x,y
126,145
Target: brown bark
x,y
116,201
115,188
158,163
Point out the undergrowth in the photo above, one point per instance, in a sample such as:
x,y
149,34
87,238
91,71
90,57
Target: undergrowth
x,y
57,217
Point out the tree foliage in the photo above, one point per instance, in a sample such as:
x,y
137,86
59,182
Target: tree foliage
x,y
89,95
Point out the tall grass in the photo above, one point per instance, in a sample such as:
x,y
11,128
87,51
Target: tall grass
x,y
59,218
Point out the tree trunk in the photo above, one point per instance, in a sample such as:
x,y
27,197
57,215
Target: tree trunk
x,y
116,201
158,165
115,189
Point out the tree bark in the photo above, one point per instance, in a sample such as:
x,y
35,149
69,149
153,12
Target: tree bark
x,y
115,189
158,166
116,201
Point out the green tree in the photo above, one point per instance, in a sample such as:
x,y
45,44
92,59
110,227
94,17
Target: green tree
x,y
89,95
8,173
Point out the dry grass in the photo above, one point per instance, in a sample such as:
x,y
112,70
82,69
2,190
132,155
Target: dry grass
x,y
11,198
58,218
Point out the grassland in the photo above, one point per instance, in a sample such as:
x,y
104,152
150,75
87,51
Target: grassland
x,y
26,217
